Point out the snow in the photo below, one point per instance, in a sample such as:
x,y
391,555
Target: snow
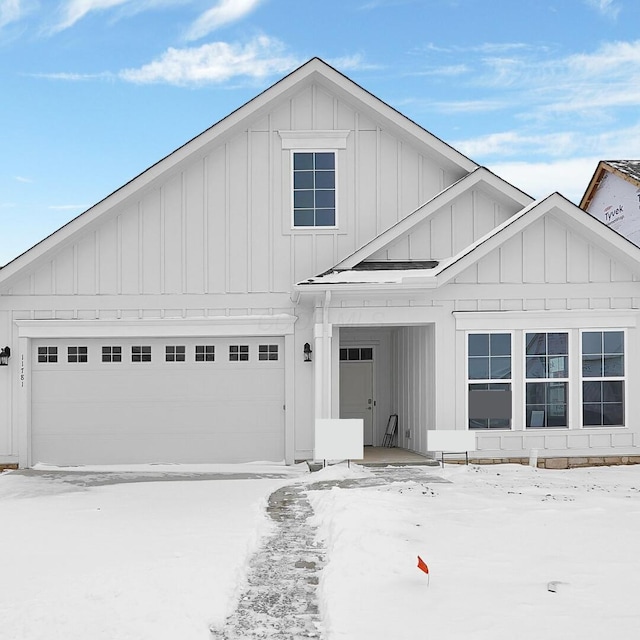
x,y
125,561
493,539
154,560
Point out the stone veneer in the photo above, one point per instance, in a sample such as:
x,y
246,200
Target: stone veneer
x,y
556,463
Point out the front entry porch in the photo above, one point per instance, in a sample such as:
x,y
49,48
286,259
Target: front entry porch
x,y
394,456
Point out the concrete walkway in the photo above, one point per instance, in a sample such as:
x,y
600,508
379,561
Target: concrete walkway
x,y
280,601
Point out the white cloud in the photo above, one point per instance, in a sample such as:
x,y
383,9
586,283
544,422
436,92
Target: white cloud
x,y
224,12
74,77
608,8
75,10
609,144
349,63
10,11
513,143
214,62
539,179
22,179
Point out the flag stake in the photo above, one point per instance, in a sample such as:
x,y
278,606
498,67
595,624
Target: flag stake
x,y
422,565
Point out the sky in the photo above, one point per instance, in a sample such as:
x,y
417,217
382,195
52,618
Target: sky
x,y
93,92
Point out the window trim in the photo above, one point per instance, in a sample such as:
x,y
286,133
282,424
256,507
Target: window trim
x,y
242,349
315,149
624,378
205,354
110,354
142,353
175,353
470,381
81,355
568,380
271,350
50,355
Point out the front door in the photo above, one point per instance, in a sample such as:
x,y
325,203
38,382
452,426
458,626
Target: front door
x,y
356,393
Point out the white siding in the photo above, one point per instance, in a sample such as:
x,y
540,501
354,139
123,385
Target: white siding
x,y
450,229
221,222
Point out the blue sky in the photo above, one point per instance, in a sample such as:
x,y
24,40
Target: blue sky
x,y
95,91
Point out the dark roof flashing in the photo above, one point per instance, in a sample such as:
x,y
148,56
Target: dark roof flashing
x,y
392,265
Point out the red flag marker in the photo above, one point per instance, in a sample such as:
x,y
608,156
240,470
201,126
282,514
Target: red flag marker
x,y
422,565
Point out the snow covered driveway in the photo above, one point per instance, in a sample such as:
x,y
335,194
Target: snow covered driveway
x,y
131,561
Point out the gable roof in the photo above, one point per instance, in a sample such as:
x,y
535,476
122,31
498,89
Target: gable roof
x,y
315,70
574,217
628,170
480,176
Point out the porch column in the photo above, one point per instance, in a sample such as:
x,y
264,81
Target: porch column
x,y
322,369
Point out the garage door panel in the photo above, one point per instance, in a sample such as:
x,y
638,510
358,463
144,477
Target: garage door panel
x,y
92,386
111,413
164,448
151,418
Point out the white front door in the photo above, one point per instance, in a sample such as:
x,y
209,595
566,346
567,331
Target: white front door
x,y
356,394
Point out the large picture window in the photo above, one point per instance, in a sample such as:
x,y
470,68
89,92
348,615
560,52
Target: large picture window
x,y
547,379
314,189
603,378
489,375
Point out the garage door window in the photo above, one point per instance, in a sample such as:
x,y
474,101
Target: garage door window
x,y
76,354
174,354
140,354
238,353
47,354
268,352
111,354
205,353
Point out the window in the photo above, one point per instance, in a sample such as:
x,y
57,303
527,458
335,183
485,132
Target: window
x,y
268,352
356,353
140,354
489,375
602,378
205,353
239,353
76,354
174,354
547,362
111,354
314,189
47,354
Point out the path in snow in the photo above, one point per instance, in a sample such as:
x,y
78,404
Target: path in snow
x,y
280,601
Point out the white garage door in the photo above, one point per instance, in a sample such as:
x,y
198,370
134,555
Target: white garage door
x,y
157,400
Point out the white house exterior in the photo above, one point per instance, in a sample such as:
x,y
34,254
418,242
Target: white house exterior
x,y
168,323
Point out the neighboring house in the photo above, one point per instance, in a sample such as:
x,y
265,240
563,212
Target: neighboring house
x,y
317,254
613,197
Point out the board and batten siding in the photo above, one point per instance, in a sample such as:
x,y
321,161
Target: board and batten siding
x,y
450,229
547,266
220,222
413,385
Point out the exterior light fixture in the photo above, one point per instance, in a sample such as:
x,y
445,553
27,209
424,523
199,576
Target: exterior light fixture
x,y
4,356
307,352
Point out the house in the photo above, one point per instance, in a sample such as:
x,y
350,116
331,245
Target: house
x,y
613,196
317,254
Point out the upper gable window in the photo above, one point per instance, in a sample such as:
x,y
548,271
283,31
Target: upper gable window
x,y
314,189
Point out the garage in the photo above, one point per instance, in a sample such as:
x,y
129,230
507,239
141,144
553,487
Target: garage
x,y
157,400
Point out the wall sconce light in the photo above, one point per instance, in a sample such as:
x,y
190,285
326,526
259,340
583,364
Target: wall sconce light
x,y
307,352
4,356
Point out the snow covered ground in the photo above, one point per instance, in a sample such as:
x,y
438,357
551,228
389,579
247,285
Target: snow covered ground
x,y
164,560
132,561
493,539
